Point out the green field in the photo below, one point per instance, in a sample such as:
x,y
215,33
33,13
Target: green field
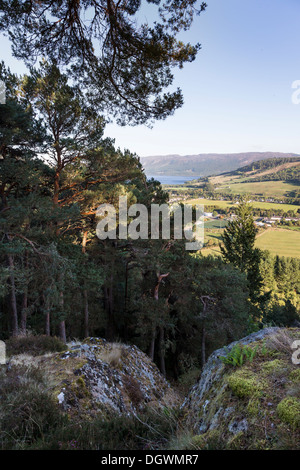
x,y
216,224
278,241
263,188
255,204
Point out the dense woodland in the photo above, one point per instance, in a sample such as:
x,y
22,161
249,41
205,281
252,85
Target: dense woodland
x,y
57,277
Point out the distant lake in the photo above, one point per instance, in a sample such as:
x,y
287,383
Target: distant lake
x,y
163,179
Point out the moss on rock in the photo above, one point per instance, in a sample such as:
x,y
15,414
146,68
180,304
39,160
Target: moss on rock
x,y
295,375
244,383
271,367
289,411
255,406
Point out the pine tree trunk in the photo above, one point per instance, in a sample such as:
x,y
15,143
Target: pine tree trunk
x,y
23,320
85,293
152,345
13,299
47,324
62,325
203,352
47,316
126,287
110,330
62,331
160,277
205,299
86,314
162,350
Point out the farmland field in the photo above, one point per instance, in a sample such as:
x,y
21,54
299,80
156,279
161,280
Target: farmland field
x,y
278,241
272,188
255,204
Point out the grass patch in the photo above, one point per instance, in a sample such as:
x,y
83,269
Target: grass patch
x,y
231,205
34,345
261,188
280,242
28,410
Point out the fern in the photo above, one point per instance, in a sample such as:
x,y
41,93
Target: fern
x,y
238,355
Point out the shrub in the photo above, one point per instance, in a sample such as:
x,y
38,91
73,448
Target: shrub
x,y
31,419
150,430
28,411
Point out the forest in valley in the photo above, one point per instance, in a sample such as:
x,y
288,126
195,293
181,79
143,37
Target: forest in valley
x,y
56,168
103,339
59,279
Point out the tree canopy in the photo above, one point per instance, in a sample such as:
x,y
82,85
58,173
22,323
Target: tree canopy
x,y
125,63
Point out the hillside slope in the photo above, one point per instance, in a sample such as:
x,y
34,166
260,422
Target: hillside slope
x,y
204,164
272,177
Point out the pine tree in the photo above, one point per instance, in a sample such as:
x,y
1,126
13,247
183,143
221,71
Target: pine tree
x,y
126,65
238,246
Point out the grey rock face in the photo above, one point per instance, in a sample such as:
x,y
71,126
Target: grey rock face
x,y
200,412
110,376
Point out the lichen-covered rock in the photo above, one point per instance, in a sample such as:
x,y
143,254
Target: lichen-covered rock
x,y
96,376
253,405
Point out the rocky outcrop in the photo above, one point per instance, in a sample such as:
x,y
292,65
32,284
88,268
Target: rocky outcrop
x,y
96,376
248,396
254,404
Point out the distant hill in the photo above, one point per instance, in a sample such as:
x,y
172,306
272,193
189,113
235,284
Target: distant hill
x,y
204,164
272,169
272,177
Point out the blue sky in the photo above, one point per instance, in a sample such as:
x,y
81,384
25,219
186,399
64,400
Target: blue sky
x,y
238,91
